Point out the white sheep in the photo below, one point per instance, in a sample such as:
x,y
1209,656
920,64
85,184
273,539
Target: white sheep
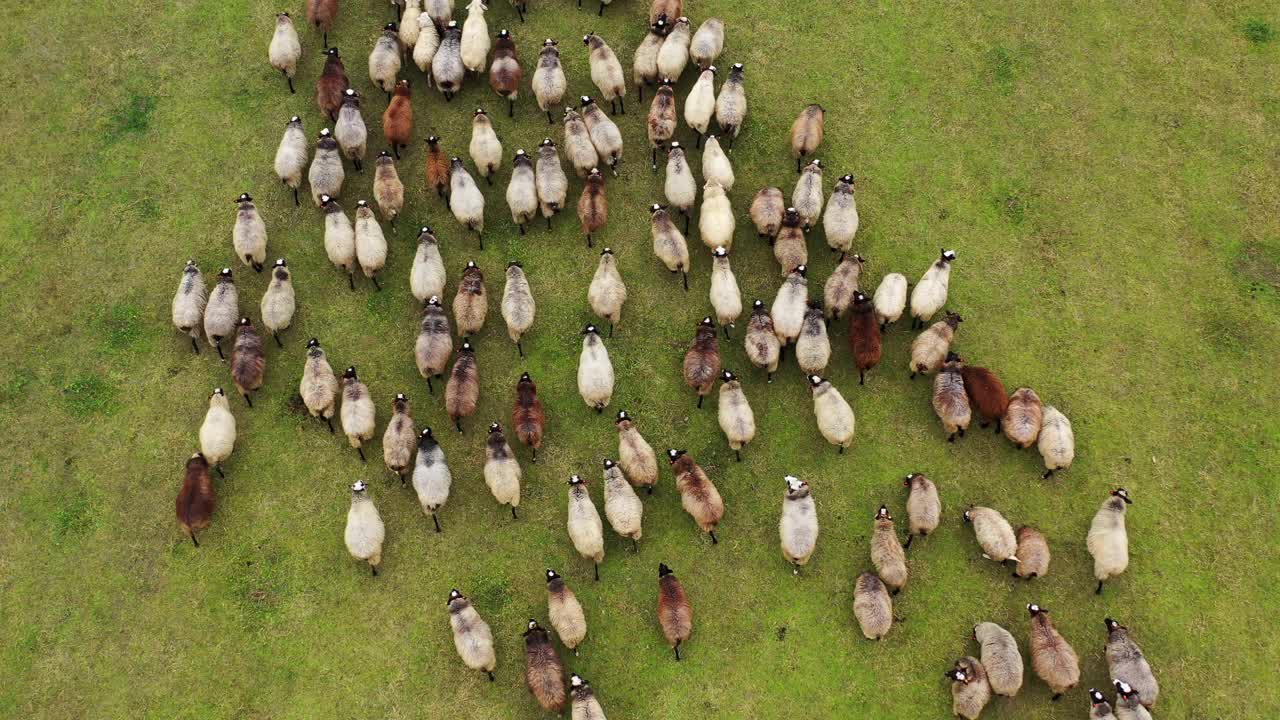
x,y
475,38
700,105
798,528
1108,539
585,529
291,156
607,293
737,420
278,302
716,222
715,164
371,243
522,191
890,299
189,302
427,278
622,507
1057,442
285,48
319,386
249,236
431,476
725,296
835,416
465,200
595,372
365,531
339,238
930,294
840,221
357,413
472,637
789,306
218,431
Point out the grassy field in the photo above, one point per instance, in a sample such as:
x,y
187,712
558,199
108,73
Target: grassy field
x,y
1109,175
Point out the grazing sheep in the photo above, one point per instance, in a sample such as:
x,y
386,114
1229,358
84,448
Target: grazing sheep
x,y
970,688
400,438
218,431
189,302
384,59
285,48
357,413
431,476
319,386
798,527
196,501
924,508
1052,657
435,341
505,73
1000,658
698,495
666,10
371,244
595,372
606,71
222,311
332,83
447,69
931,348
789,306
841,287
622,507
864,336
994,533
1108,539
986,394
673,56
731,104
607,293
440,11
426,45
465,200
543,671
427,278
702,361
644,67
949,399
716,223
471,303
577,143
584,705
585,529
1033,554
635,454
350,131
840,222
518,307
707,43
886,552
1057,442
890,299
388,191
549,83
806,132
320,15
1126,662
872,606
486,149
474,47
528,416
410,28
522,191
1022,417
700,105
278,301
248,362
807,197
565,612
550,180
291,157
766,211
813,347
438,167
249,236
1129,702
930,294
661,125
502,470
604,133
675,614
725,296
737,421
1099,708
365,531
325,174
593,206
790,247
472,637
339,238
762,344
668,243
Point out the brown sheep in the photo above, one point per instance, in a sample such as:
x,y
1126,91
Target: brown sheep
x,y
332,83
528,416
1023,417
675,614
397,120
1033,554
1052,657
320,15
872,606
505,72
864,335
924,508
702,361
543,670
806,133
766,212
195,501
437,167
248,362
986,394
462,392
698,495
593,206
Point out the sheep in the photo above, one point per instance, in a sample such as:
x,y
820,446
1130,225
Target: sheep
x,y
887,553
438,170
864,336
218,431
661,125
528,416
930,349
606,72
702,360
248,363
1033,554
924,508
840,221
716,223
222,310
986,394
384,59
994,533
622,507
474,46
410,27
872,606
593,205
465,200
807,196
426,44
1126,662
387,188
970,688
798,528
585,529
1108,539
447,69
357,413
189,302
249,236
350,131
700,105
325,174
518,308
431,476
371,244
1022,417
321,14
698,495
502,470
435,342
806,132
1129,702
565,612
332,82
291,157
930,293
522,191
644,68
715,164
319,386
731,104
949,399
196,500
679,187
890,299
471,303
604,133
584,705
674,53
1057,443
790,248
427,278
725,296
339,238
398,7
813,347
549,83
278,301
595,372
675,614
635,454
486,149
762,344
607,293
397,119
472,637
1099,708
1000,658
665,10
365,531
505,73
577,143
440,11
707,43
550,181
766,211
668,243
1052,657
543,671
399,439
789,306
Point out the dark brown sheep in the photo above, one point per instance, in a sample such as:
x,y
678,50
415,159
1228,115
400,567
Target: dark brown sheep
x,y
397,120
528,416
864,335
675,614
593,207
248,362
505,72
543,670
195,500
320,15
702,361
332,83
462,391
986,394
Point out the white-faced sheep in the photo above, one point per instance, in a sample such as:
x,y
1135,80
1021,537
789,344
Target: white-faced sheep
x,y
950,401
930,349
447,70
326,174
668,242
365,531
472,637
887,553
549,83
502,470
661,124
518,307
399,439
840,221
834,415
813,347
1052,657
431,476
357,413
841,286
350,131
595,372
607,293
285,48
1108,538
606,72
731,104
291,156
371,243
762,344
385,59
622,507
674,54
798,528
388,190
1126,662
700,105
577,143
339,238
189,301
698,495
434,345
930,294
471,303
924,508
970,689
319,386
994,533
585,529
604,133
565,612
725,296
218,431
278,302
807,196
635,454
222,311
427,277
550,180
462,391
1129,702
737,421
249,236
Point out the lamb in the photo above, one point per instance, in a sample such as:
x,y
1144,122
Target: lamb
x,y
505,73
806,132
604,133
840,222
502,470
661,125
332,82
841,287
606,71
549,83
1099,708
864,336
1108,539
887,553
970,688
707,43
986,394
528,415
702,361
995,535
522,191
1033,554
790,248
890,299
731,104
384,59
365,531
1129,703
410,28
189,303
249,236
326,174
565,612
426,44
807,197
607,293
399,439
435,342
196,500
518,307
622,507
635,455
700,105
465,200
813,347
550,181
585,529
1000,658
716,223
543,671
766,211
1126,662
431,476
339,238
248,362
577,143
675,614
387,188
438,167
472,637
1052,657
931,292
931,348
278,301
319,386
447,69
320,15
725,296
737,421
470,304
218,431
789,306
698,495
371,244
350,131
924,509
949,399
357,413
872,606
595,372
762,344
222,311
584,705
474,46
798,527
668,243
1023,417
1057,443
674,53
486,149
593,206
291,157
427,278
644,68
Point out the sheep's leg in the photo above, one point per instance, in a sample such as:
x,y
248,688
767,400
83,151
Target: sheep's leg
x,y
714,539
862,376
361,451
597,572
480,235
520,348
290,81
374,278
655,158
458,424
686,280
195,345
908,543
296,201
549,120
686,220
491,678
248,399
511,108
589,243
738,455
601,13
374,568
218,467
329,422
436,520
1047,474
622,102
276,335
535,455
395,148
699,401
194,541
514,516
677,649
726,331
351,280
1099,590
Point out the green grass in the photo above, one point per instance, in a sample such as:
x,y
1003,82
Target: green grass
x,y
1107,174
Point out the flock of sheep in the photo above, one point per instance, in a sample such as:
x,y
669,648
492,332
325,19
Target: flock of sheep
x,y
430,38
